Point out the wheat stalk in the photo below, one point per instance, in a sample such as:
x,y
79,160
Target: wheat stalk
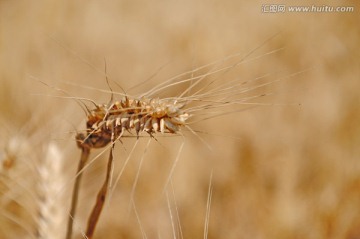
x,y
100,199
85,152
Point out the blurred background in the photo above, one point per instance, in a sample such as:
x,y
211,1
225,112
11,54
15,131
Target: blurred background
x,y
288,170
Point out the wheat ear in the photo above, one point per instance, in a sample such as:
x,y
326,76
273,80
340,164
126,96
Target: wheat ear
x,y
51,177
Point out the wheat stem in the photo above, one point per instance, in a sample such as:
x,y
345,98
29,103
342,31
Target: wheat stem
x,y
100,199
83,159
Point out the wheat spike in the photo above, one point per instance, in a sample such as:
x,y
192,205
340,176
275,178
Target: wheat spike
x,y
51,213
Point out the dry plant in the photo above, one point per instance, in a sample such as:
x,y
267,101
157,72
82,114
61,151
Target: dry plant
x,y
279,170
207,94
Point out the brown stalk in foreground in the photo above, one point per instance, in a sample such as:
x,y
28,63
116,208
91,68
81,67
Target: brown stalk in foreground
x,y
85,144
83,159
100,199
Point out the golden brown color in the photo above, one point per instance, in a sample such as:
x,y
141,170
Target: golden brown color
x,y
294,173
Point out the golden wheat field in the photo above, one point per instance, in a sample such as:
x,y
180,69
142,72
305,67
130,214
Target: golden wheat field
x,y
282,164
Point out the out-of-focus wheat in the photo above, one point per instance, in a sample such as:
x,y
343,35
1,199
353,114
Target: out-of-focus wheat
x,y
51,217
31,181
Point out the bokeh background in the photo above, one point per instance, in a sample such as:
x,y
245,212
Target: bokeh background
x,y
279,171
